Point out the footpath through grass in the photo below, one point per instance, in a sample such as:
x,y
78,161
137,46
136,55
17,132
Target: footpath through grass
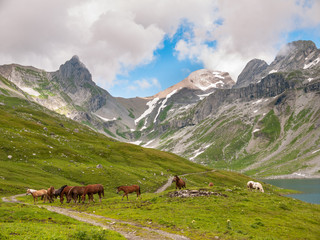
x,y
20,221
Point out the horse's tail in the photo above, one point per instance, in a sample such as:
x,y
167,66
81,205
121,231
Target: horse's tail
x,y
102,190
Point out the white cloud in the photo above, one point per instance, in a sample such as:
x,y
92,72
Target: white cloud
x,y
145,84
250,29
113,37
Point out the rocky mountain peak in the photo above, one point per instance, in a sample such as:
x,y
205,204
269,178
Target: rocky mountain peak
x,y
202,80
75,70
296,47
249,73
298,55
295,55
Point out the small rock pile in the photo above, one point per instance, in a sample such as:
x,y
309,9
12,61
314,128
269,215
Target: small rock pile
x,y
194,193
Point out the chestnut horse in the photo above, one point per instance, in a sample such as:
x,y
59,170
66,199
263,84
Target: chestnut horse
x,y
64,191
129,189
50,193
39,193
75,193
179,182
92,189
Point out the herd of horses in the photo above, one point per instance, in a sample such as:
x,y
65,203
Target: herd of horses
x,y
78,193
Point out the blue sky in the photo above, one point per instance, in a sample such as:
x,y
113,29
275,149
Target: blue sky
x,y
140,47
166,68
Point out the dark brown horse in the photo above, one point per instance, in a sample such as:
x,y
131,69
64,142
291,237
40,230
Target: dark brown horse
x,y
50,193
179,182
129,189
64,191
58,191
75,193
92,189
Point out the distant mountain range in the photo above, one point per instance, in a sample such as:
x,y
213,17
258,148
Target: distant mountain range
x,y
266,124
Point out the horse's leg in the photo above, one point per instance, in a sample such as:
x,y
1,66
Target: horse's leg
x,y
99,196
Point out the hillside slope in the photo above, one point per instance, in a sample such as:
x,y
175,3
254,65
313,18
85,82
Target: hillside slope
x,y
39,148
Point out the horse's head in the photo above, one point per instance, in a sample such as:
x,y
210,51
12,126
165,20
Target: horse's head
x,y
28,192
118,190
175,178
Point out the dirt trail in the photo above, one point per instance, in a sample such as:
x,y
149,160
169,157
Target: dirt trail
x,y
129,230
169,182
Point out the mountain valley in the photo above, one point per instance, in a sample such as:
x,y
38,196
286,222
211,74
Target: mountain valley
x,y
266,124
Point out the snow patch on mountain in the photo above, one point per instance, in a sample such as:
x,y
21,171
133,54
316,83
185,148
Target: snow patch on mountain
x,y
198,152
202,96
105,119
163,104
205,84
273,71
218,75
30,91
314,62
151,105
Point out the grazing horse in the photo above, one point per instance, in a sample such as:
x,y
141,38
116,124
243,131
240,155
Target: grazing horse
x,y
50,193
39,193
64,191
129,189
58,191
255,185
179,182
92,189
75,193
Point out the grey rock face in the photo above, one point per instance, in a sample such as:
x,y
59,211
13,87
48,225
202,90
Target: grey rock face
x,y
251,73
299,55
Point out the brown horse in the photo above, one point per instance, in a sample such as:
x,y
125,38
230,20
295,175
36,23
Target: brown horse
x,y
75,193
64,191
92,189
50,193
39,193
179,182
129,189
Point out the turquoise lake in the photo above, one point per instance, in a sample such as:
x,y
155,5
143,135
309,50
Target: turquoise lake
x,y
310,188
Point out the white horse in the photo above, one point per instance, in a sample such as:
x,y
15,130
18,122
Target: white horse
x,y
255,185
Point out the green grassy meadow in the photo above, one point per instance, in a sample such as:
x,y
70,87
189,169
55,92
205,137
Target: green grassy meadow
x,y
39,148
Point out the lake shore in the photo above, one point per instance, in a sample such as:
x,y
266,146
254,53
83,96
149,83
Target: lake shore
x,y
295,176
